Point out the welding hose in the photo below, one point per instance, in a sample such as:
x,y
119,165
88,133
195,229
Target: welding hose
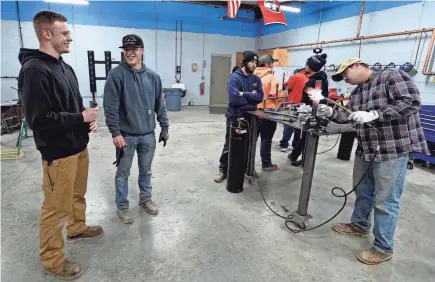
x,y
301,226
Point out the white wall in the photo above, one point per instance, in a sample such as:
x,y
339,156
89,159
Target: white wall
x,y
100,39
384,50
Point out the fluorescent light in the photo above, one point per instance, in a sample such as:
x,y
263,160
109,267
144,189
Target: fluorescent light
x,y
290,9
79,2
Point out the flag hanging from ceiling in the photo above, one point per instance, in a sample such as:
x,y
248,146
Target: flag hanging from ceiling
x,y
272,13
233,8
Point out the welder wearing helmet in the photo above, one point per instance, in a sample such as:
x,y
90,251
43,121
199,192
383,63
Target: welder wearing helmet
x,y
387,100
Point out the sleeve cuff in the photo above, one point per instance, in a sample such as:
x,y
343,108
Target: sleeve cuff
x,y
79,118
115,133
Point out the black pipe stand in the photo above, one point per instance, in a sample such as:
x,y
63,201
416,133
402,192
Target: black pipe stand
x,y
307,179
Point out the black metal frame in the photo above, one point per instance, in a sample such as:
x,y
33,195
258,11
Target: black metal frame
x,y
92,75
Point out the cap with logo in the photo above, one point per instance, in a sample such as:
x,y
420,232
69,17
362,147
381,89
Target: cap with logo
x,y
266,59
131,41
338,75
249,56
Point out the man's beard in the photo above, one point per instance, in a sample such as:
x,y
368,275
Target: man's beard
x,y
250,70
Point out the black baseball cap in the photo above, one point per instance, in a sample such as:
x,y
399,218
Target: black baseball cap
x,y
132,41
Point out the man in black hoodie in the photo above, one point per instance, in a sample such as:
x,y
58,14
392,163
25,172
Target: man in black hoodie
x,y
60,123
318,80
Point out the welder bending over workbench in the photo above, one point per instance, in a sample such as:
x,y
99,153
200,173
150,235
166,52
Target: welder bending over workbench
x,y
385,106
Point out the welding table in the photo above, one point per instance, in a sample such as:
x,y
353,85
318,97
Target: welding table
x,y
310,152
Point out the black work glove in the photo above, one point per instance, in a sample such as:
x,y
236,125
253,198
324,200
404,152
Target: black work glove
x,y
119,155
164,136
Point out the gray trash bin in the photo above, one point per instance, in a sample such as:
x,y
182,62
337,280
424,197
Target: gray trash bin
x,y
173,99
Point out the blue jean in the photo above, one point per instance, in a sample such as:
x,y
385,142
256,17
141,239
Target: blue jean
x,y
145,145
380,190
266,130
287,135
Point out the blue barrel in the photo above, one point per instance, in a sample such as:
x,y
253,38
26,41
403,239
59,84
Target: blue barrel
x,y
173,99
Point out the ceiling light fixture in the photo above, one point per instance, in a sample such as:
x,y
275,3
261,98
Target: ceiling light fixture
x,y
78,2
290,9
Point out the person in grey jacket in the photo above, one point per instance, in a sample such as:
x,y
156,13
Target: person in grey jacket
x,y
132,98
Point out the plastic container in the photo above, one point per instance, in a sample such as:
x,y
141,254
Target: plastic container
x,y
173,99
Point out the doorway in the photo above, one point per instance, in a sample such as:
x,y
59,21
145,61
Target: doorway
x,y
219,73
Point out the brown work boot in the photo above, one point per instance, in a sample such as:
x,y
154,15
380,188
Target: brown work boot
x,y
93,232
66,271
220,177
374,256
150,207
349,229
271,168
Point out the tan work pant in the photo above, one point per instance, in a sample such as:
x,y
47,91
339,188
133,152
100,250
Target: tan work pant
x,y
64,185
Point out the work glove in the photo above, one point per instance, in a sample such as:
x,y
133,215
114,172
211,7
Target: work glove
x,y
164,136
361,117
324,111
119,155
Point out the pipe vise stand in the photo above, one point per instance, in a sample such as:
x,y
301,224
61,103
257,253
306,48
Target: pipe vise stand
x,y
316,123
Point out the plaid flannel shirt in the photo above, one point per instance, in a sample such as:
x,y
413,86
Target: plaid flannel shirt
x,y
396,98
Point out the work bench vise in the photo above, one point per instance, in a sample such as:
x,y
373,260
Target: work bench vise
x,y
314,122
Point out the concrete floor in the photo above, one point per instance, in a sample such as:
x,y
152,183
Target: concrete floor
x,y
204,233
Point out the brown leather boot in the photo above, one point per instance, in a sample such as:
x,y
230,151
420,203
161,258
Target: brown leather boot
x,y
66,271
373,256
93,232
348,229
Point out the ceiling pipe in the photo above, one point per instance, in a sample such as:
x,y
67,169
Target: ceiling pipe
x,y
360,19
429,55
417,31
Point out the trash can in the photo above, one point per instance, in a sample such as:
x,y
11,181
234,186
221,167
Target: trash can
x,y
173,98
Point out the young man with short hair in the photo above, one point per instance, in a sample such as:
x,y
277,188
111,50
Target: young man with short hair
x,y
132,99
385,106
54,110
245,91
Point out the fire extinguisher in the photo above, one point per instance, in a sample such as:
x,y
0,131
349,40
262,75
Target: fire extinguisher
x,y
202,87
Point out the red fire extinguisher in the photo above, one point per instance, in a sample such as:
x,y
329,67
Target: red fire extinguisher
x,y
202,87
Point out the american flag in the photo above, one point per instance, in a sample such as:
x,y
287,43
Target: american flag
x,y
233,7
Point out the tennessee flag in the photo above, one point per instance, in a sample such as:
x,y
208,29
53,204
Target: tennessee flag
x,y
233,8
272,13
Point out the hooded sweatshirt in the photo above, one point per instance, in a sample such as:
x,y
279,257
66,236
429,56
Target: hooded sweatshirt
x,y
132,98
296,85
269,82
322,77
53,106
239,104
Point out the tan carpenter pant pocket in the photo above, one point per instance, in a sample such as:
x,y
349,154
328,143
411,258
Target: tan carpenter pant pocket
x,y
50,184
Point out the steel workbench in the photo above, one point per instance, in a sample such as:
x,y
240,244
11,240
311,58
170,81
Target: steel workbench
x,y
310,152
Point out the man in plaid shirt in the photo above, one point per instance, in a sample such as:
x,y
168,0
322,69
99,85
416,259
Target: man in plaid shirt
x,y
385,107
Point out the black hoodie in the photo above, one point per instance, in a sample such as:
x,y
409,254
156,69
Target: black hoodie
x,y
53,106
323,77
